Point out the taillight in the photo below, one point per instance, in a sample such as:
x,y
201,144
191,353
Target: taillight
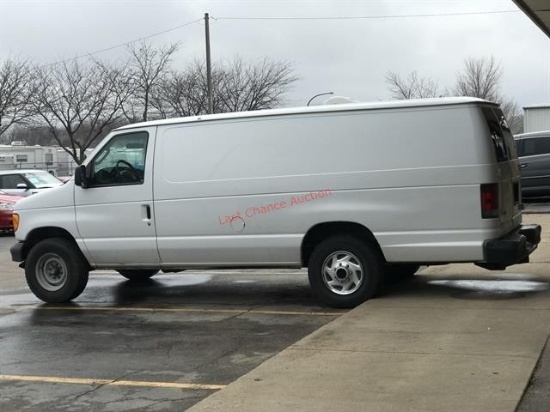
x,y
489,201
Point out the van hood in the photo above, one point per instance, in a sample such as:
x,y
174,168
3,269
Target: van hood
x,y
61,196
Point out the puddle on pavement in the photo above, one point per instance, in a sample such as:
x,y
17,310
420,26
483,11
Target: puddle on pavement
x,y
101,287
491,289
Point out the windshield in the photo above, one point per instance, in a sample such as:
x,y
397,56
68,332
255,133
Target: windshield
x,y
42,180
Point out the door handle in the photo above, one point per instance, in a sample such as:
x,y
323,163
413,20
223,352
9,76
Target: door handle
x,y
146,213
523,165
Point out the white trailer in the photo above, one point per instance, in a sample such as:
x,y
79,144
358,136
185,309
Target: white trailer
x,y
17,155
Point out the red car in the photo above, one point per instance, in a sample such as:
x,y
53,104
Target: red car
x,y
7,202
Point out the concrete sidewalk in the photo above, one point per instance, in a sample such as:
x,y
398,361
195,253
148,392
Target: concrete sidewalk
x,y
456,338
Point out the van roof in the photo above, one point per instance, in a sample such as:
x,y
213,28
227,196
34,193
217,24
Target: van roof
x,y
442,101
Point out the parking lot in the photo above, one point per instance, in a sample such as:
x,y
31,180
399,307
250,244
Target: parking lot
x,y
537,205
170,342
160,345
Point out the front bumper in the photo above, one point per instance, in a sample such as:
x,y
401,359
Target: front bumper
x,y
513,248
17,252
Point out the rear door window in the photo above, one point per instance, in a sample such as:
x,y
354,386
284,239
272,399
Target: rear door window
x,y
501,136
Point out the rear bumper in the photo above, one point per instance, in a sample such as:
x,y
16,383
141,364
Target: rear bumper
x,y
513,248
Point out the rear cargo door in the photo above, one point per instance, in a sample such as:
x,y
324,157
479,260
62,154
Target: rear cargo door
x,y
507,165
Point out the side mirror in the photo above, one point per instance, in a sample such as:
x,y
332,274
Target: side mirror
x,y
22,186
80,178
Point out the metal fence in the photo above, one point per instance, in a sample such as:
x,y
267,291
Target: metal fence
x,y
57,168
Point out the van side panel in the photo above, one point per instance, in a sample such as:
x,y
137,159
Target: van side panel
x,y
411,176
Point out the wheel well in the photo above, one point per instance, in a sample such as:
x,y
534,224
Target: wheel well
x,y
42,233
322,231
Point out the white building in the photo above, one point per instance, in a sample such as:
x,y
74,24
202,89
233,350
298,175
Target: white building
x,y
536,118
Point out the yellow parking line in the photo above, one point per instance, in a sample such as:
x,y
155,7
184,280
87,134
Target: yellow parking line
x,y
111,382
176,310
291,313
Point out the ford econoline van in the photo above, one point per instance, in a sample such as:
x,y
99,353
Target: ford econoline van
x,y
354,192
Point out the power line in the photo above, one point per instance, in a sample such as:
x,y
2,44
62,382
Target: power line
x,y
278,18
121,44
396,16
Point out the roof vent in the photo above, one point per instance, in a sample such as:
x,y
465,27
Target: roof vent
x,y
18,143
339,100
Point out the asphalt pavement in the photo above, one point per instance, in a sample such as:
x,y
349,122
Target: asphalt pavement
x,y
454,338
536,205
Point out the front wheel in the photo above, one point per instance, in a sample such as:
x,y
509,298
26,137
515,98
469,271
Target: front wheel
x,y
138,274
344,272
56,271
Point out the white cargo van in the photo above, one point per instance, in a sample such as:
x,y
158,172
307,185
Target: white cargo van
x,y
353,192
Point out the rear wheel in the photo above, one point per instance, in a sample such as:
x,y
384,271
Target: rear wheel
x,y
56,271
344,272
138,274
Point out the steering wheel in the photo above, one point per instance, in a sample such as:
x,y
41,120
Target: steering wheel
x,y
124,162
129,171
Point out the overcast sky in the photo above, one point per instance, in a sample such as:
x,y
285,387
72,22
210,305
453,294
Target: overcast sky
x,y
338,53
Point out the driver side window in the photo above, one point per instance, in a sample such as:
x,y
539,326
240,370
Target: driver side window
x,y
121,161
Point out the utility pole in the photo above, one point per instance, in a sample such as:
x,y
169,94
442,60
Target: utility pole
x,y
208,64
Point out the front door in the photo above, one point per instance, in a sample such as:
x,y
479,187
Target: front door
x,y
114,213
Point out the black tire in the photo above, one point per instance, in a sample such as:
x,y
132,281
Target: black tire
x,y
138,274
360,272
400,271
56,271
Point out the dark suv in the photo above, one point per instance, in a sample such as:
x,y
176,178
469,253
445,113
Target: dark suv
x,y
534,158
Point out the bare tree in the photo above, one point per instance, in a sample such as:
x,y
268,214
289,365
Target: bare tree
x,y
254,86
237,86
15,92
147,65
412,87
184,93
480,78
31,134
513,114
80,103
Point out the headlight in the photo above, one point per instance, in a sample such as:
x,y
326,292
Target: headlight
x,y
6,206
